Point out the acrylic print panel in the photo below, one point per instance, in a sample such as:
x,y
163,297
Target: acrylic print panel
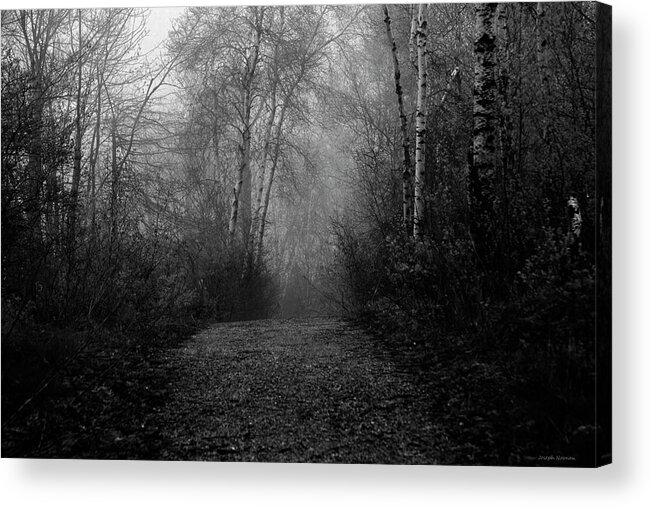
x,y
334,234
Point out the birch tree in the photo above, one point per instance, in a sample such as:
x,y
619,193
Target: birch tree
x,y
482,170
304,51
222,71
270,150
421,122
407,184
241,201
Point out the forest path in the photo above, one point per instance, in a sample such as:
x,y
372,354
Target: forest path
x,y
312,390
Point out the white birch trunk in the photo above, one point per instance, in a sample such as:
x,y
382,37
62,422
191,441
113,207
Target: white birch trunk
x,y
242,191
269,184
412,37
406,170
262,172
421,117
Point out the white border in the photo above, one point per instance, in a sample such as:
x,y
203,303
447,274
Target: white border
x,y
102,483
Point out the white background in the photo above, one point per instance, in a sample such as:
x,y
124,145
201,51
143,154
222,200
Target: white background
x,y
626,482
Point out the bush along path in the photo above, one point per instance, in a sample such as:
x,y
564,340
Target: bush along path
x,y
96,400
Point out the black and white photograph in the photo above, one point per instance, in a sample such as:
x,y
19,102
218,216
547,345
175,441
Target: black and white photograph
x,y
307,233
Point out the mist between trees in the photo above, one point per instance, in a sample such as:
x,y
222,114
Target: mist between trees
x,y
427,168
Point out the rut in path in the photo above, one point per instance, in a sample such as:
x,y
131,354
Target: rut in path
x,y
313,390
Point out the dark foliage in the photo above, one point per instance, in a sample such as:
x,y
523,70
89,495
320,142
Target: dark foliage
x,y
501,322
492,310
73,295
523,365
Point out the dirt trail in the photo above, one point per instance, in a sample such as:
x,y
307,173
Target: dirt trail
x,y
313,390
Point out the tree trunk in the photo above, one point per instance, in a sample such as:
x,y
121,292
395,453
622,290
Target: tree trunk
x,y
481,176
506,155
542,51
35,161
94,154
421,121
241,203
266,151
243,175
37,29
270,180
76,170
245,180
266,156
262,173
115,181
406,169
412,37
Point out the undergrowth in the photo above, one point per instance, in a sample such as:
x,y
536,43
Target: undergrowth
x,y
510,369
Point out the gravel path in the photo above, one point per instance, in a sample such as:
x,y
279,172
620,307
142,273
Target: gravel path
x,y
313,390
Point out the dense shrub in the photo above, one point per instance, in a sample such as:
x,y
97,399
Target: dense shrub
x,y
536,337
548,328
419,284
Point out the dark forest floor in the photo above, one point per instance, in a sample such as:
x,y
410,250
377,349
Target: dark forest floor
x,y
296,391
312,390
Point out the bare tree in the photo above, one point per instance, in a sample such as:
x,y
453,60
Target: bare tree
x,y
241,202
